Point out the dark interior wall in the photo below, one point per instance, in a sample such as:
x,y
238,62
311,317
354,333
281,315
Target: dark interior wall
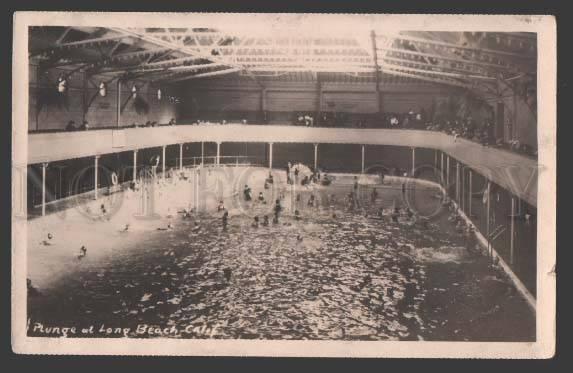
x,y
230,100
50,111
519,121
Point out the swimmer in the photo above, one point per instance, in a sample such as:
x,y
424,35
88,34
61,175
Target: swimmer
x,y
311,201
247,193
227,273
83,252
196,227
126,228
409,213
47,242
221,206
296,215
255,223
373,195
395,214
355,183
225,218
278,209
298,197
266,221
261,197
299,237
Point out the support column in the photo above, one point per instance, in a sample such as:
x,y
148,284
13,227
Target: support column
x,y
44,165
462,186
363,149
118,106
263,107
317,120
315,156
413,161
180,157
436,158
448,174
163,162
376,72
442,168
202,152
488,205
96,175
458,181
470,193
270,155
512,233
218,160
135,166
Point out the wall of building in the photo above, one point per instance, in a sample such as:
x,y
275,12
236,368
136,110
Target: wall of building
x,y
233,100
519,120
49,110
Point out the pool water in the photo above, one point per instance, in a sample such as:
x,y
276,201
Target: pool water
x,y
339,273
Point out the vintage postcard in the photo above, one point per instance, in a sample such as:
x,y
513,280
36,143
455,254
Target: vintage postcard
x,y
325,185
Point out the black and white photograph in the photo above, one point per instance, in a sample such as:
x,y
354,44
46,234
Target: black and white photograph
x,y
283,184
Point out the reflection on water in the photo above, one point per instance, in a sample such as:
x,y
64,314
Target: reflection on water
x,y
340,272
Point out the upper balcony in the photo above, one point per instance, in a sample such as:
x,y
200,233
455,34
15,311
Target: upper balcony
x,y
512,171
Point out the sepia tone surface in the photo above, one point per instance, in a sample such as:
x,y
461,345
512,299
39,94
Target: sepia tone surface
x,y
266,185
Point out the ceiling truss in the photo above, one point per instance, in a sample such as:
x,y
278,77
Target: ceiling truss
x,y
173,55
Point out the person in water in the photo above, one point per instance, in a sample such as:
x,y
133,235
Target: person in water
x,y
310,202
225,218
221,206
261,197
395,214
350,199
277,210
355,183
247,193
255,223
47,242
196,227
296,215
266,221
373,195
83,252
227,272
409,213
